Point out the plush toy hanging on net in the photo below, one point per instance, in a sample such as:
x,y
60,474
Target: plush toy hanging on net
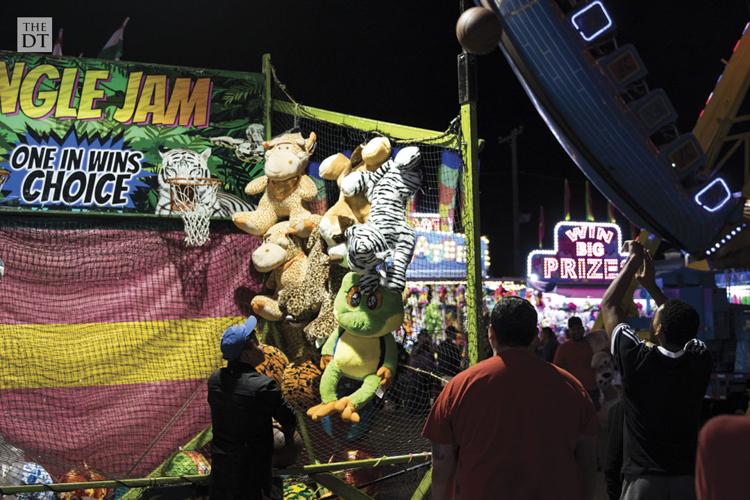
x,y
386,234
368,311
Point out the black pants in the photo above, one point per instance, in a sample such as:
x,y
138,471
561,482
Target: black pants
x,y
239,477
659,487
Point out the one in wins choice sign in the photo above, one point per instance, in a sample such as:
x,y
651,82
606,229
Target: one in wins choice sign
x,y
585,253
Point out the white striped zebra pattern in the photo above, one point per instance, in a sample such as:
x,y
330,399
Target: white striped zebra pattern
x,y
386,233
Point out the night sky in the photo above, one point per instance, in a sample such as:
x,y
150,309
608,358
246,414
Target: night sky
x,y
396,61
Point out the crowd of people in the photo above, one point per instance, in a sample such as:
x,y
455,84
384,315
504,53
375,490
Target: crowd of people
x,y
529,422
490,426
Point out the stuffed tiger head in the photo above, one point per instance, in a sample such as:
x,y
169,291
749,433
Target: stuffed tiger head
x,y
183,163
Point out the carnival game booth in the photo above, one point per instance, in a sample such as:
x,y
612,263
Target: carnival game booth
x,y
435,295
137,203
571,278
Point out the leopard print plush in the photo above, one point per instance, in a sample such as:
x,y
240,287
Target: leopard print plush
x,y
301,384
311,301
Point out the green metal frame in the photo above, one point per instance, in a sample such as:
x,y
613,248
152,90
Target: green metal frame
x,y
321,471
424,486
393,130
267,96
470,213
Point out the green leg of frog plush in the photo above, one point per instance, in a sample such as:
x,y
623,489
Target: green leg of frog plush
x,y
362,348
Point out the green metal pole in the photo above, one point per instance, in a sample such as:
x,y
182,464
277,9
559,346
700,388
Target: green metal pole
x,y
357,464
339,487
424,486
267,99
305,434
470,210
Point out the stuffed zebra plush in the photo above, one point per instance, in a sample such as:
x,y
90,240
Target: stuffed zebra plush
x,y
386,233
188,164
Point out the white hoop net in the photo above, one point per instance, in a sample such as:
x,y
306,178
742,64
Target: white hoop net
x,y
195,200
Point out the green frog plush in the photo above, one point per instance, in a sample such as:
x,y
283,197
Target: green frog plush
x,y
361,348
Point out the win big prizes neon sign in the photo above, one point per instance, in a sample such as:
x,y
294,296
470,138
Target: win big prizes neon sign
x,y
585,253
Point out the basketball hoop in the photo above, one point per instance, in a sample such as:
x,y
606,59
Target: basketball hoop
x,y
194,199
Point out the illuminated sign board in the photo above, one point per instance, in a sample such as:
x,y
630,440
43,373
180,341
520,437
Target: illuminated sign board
x,y
585,253
442,255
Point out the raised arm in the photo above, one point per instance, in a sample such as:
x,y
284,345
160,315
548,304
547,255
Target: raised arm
x,y
611,306
647,278
283,412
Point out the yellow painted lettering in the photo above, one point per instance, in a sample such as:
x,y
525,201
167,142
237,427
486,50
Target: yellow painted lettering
x,y
186,106
152,101
66,95
9,86
34,102
90,93
125,113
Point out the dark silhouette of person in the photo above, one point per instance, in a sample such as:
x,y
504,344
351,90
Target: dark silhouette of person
x,y
449,355
243,402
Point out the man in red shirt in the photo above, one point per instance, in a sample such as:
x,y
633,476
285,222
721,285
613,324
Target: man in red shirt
x,y
723,455
575,356
490,427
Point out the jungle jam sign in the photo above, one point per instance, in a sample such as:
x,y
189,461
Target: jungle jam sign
x,y
585,253
88,134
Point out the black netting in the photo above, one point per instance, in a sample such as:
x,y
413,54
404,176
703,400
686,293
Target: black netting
x,y
440,165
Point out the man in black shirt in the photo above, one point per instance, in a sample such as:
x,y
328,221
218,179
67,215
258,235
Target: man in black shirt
x,y
663,387
242,404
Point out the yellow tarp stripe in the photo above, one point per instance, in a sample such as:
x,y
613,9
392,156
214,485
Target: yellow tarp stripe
x,y
99,354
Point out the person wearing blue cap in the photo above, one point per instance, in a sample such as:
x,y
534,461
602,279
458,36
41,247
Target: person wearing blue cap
x,y
243,402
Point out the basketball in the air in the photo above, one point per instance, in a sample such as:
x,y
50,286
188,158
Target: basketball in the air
x,y
478,30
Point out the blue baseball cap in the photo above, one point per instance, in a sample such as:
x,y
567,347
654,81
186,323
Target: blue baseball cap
x,y
235,337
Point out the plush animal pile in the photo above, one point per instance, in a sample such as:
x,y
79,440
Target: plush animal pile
x,y
309,300
353,209
284,185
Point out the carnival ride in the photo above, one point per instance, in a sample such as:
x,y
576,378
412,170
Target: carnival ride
x,y
593,95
